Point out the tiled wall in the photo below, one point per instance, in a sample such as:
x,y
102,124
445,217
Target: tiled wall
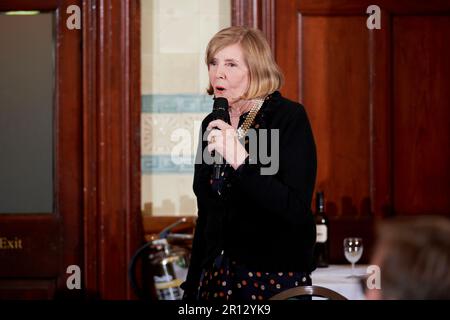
x,y
175,34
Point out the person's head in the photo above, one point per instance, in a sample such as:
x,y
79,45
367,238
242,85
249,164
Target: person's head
x,y
241,65
414,258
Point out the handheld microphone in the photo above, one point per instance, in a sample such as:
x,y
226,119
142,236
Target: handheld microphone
x,y
220,112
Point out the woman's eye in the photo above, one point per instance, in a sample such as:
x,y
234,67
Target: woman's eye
x,y
231,64
212,63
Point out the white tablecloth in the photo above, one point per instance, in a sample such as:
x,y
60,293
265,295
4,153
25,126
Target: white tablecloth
x,y
336,277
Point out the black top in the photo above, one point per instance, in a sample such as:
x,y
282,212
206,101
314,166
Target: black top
x,y
261,221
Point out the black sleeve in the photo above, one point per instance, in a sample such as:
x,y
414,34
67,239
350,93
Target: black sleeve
x,y
289,192
190,286
205,200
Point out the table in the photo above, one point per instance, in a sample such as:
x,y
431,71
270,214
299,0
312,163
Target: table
x,y
336,277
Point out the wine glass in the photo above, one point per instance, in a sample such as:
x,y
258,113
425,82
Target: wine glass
x,y
353,249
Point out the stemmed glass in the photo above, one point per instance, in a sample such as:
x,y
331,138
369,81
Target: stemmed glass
x,y
353,249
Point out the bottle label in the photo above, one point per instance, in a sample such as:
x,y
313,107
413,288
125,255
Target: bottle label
x,y
321,233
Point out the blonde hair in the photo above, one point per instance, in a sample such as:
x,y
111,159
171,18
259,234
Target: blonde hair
x,y
265,76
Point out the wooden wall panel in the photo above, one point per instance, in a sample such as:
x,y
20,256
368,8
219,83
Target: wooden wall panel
x,y
421,114
111,135
382,151
335,84
36,289
287,53
256,14
378,102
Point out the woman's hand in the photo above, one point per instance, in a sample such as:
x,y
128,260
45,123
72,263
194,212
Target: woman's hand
x,y
225,141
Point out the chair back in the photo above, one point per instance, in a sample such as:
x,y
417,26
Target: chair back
x,y
313,291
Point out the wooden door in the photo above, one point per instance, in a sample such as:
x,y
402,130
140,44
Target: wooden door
x,y
93,217
38,243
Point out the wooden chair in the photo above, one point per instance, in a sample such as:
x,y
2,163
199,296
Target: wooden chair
x,y
312,291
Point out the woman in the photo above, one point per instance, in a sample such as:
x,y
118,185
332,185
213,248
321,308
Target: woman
x,y
255,231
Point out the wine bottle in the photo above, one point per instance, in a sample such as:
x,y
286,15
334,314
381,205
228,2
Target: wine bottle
x,y
322,248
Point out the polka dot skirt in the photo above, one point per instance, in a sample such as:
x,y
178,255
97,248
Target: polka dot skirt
x,y
226,280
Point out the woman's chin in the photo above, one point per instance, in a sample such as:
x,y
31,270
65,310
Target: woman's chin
x,y
220,94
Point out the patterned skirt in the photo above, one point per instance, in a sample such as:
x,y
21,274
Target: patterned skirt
x,y
227,281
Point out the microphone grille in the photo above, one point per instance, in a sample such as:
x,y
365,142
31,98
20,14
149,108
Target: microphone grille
x,y
220,103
